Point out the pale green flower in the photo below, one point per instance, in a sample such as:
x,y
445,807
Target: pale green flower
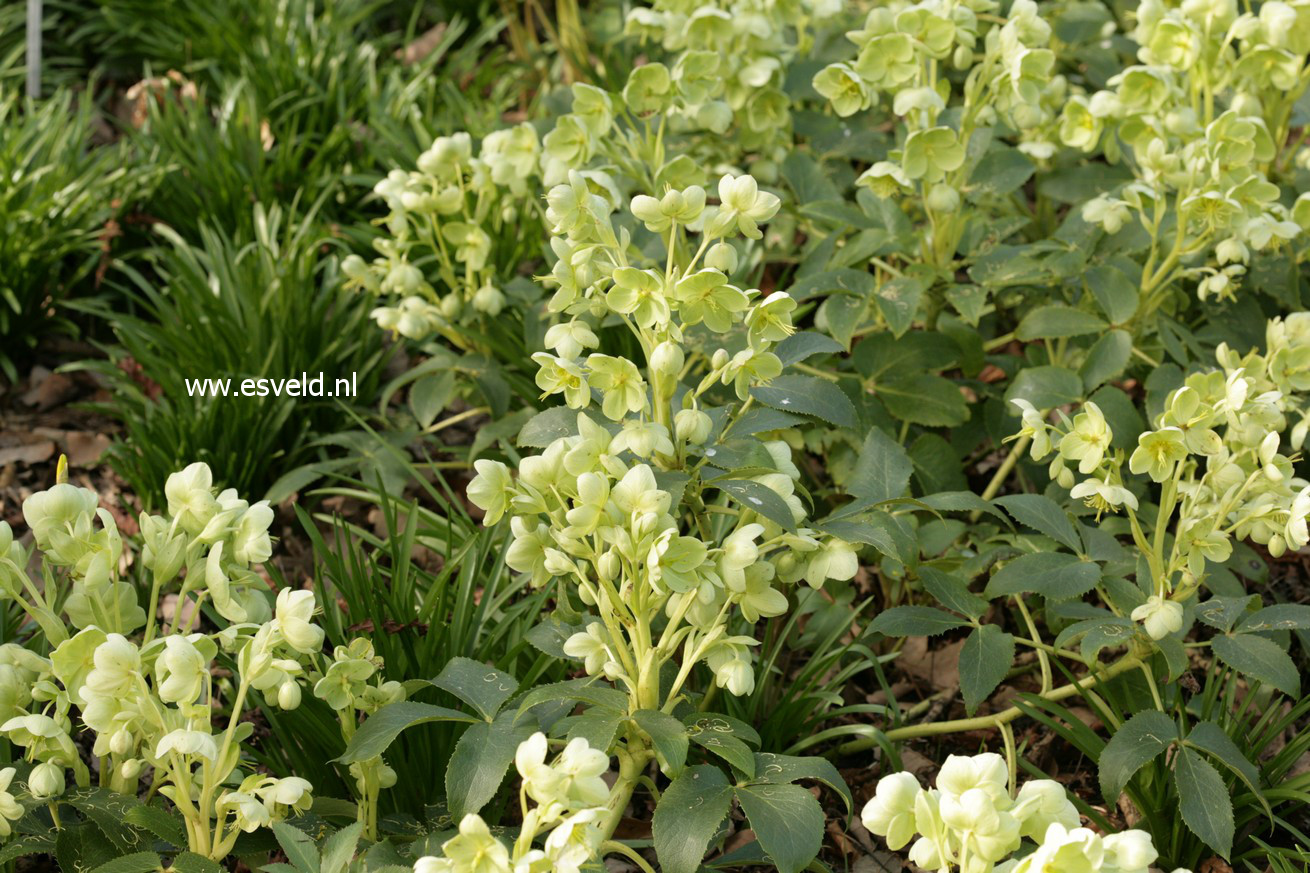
x,y
187,742
560,376
491,489
890,812
473,850
706,296
844,89
931,154
1157,452
293,615
648,89
1088,440
1159,616
769,321
742,204
181,670
639,293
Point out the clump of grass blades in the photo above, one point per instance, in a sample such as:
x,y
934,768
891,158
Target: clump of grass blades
x,y
418,618
59,195
231,307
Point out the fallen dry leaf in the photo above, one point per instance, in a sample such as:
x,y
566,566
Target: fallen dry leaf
x,y
85,448
32,453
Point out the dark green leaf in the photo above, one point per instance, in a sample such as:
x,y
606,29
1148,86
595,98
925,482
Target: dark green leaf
x,y
481,687
923,398
1114,292
882,470
1046,387
787,821
1204,802
1054,575
298,846
1056,321
1043,515
137,862
1210,738
1259,658
951,592
381,728
761,498
779,769
985,659
808,395
1134,744
806,344
1280,616
669,737
898,300
688,816
915,621
480,760
1107,358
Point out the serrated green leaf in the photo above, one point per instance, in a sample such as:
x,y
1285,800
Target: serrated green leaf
x,y
1046,387
915,621
951,592
761,498
780,769
787,821
898,301
1259,658
669,737
1204,802
582,690
339,849
1210,738
1097,634
985,659
190,862
1043,515
882,469
808,395
481,687
381,728
922,398
1137,741
1056,321
806,344
730,749
480,760
688,816
1280,616
1054,575
298,846
137,862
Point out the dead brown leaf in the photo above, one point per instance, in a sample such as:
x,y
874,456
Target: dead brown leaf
x,y
27,455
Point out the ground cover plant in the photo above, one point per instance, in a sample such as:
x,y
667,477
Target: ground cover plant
x,y
796,435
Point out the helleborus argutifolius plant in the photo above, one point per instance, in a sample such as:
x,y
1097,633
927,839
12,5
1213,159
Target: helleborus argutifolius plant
x,y
1203,123
150,702
455,234
1222,452
905,55
655,551
976,818
726,72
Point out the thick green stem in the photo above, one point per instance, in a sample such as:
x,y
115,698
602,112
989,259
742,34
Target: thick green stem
x,y
989,722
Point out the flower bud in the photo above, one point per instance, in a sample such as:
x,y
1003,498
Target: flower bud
x,y
667,360
722,257
720,359
608,566
451,306
288,695
489,299
47,780
386,776
943,198
130,768
963,57
692,426
121,742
